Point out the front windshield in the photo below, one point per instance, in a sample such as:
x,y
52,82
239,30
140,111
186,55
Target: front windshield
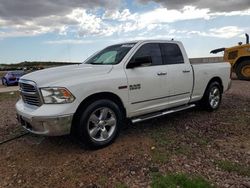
x,y
111,55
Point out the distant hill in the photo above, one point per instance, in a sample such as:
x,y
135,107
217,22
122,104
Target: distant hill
x,y
34,65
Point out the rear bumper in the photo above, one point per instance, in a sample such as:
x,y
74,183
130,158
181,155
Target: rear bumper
x,y
49,126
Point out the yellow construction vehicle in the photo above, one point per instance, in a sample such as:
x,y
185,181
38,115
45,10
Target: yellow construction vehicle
x,y
239,58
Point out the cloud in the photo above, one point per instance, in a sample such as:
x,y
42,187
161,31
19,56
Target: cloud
x,y
123,15
213,5
87,23
79,21
11,28
163,15
69,41
27,9
35,17
153,19
98,18
232,13
222,32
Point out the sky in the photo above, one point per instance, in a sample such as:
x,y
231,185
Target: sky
x,y
71,31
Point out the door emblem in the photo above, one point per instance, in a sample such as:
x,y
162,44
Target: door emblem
x,y
135,86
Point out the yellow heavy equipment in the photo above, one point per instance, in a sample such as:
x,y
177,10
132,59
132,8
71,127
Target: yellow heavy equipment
x,y
239,57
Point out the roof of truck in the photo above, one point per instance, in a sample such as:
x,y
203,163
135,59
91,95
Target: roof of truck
x,y
148,40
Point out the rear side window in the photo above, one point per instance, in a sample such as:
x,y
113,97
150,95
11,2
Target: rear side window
x,y
171,53
152,50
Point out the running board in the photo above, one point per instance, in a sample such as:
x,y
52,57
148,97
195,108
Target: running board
x,y
161,113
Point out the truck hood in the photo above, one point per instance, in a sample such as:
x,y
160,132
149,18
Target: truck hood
x,y
53,76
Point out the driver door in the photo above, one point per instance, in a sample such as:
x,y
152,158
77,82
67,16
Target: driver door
x,y
146,93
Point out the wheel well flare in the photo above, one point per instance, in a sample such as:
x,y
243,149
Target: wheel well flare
x,y
97,96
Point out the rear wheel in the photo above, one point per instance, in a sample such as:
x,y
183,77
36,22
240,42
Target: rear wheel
x,y
212,97
99,124
243,70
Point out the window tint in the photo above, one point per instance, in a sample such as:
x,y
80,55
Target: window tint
x,y
111,55
107,57
150,50
171,54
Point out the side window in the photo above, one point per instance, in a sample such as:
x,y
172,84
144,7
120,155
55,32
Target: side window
x,y
171,53
152,51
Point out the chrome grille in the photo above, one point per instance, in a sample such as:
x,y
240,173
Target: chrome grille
x,y
29,93
27,87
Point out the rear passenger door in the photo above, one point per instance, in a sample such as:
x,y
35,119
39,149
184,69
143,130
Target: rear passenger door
x,y
179,79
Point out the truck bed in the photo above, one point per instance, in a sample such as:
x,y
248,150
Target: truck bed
x,y
206,60
203,72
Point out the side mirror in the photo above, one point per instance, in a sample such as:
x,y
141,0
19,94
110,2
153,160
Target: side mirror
x,y
139,61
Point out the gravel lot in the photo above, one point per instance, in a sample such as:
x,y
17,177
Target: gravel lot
x,y
215,146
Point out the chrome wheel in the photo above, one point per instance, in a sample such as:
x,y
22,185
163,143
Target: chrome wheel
x,y
102,124
214,97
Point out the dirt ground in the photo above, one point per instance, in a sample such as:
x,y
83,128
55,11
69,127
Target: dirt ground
x,y
215,146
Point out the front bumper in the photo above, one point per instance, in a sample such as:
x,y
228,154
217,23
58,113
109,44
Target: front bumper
x,y
49,126
49,120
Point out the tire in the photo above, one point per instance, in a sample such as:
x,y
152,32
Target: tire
x,y
243,70
99,124
212,97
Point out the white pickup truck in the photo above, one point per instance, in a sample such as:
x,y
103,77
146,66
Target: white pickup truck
x,y
135,80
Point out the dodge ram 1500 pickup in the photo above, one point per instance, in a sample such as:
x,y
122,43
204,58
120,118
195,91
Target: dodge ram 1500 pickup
x,y
135,80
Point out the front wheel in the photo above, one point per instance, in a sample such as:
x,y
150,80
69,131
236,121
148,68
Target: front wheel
x,y
99,124
212,97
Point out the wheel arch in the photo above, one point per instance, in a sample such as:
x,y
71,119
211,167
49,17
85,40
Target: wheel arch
x,y
88,100
215,79
204,102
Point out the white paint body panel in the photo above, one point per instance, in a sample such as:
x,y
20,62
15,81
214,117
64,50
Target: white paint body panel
x,y
85,80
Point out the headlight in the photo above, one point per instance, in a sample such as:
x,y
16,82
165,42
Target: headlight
x,y
56,95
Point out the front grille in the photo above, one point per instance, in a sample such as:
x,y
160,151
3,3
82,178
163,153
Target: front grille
x,y
27,87
32,100
29,93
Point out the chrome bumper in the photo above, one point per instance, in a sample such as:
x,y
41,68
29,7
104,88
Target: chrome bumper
x,y
49,126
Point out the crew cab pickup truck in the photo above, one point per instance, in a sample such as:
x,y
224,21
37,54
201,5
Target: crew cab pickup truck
x,y
133,81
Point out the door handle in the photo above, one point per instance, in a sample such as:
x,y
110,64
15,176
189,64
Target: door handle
x,y
186,71
162,73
